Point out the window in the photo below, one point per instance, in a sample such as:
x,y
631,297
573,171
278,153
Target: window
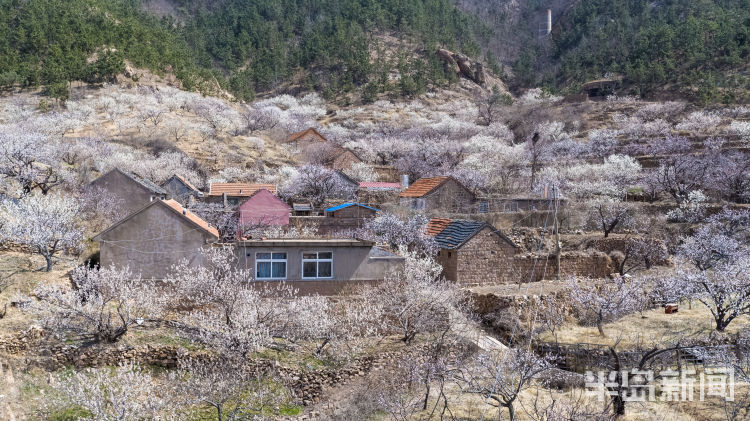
x,y
317,265
270,265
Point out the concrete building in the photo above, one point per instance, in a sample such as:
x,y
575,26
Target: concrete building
x,y
318,266
155,237
472,252
232,194
437,193
263,208
131,191
181,190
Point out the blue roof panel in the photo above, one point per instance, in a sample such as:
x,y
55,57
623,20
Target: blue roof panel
x,y
346,205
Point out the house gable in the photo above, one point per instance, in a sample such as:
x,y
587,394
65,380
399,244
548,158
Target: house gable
x,y
263,207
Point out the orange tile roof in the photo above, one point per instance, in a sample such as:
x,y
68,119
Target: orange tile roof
x,y
191,216
239,189
295,136
436,226
187,183
423,186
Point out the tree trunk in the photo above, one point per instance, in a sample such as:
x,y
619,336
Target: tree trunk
x,y
48,259
618,405
426,396
511,412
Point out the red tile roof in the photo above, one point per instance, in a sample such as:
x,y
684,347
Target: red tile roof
x,y
423,186
192,217
436,226
379,185
295,136
239,189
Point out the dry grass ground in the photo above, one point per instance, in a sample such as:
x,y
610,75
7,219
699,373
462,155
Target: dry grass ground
x,y
649,328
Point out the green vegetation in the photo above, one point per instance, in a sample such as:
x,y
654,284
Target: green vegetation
x,y
52,42
244,45
694,44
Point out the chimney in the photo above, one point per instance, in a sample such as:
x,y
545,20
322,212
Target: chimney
x,y
549,21
405,181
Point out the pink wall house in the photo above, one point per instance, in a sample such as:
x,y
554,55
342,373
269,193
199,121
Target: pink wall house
x,y
263,207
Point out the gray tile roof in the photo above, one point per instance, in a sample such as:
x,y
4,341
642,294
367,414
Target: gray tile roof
x,y
151,186
458,232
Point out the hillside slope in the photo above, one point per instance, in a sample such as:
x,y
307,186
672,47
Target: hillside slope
x,y
243,46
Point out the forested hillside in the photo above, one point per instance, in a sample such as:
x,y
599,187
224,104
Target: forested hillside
x,y
247,46
702,47
694,49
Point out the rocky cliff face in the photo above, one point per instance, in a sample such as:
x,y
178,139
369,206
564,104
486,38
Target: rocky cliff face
x,y
463,66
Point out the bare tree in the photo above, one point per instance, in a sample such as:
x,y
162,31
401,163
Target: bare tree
x,y
260,119
489,104
638,254
104,305
47,225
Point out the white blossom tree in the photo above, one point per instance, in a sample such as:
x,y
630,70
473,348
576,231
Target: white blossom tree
x,y
103,305
125,392
418,300
47,224
501,376
603,301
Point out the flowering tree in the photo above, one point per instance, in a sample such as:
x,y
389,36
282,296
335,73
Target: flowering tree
x,y
125,392
225,220
30,159
501,376
389,229
317,184
227,385
601,302
723,289
229,314
45,224
680,171
720,240
609,213
104,305
416,301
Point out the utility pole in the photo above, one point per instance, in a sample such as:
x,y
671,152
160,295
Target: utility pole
x,y
558,244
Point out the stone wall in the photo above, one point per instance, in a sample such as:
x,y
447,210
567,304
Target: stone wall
x,y
485,259
306,387
592,264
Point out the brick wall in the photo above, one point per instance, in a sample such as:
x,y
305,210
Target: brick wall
x,y
485,259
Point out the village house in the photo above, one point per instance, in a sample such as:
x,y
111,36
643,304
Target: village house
x,y
437,193
318,266
473,252
181,190
302,139
152,239
378,192
130,191
263,208
232,194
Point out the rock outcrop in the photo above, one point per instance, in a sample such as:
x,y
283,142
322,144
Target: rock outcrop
x,y
462,65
